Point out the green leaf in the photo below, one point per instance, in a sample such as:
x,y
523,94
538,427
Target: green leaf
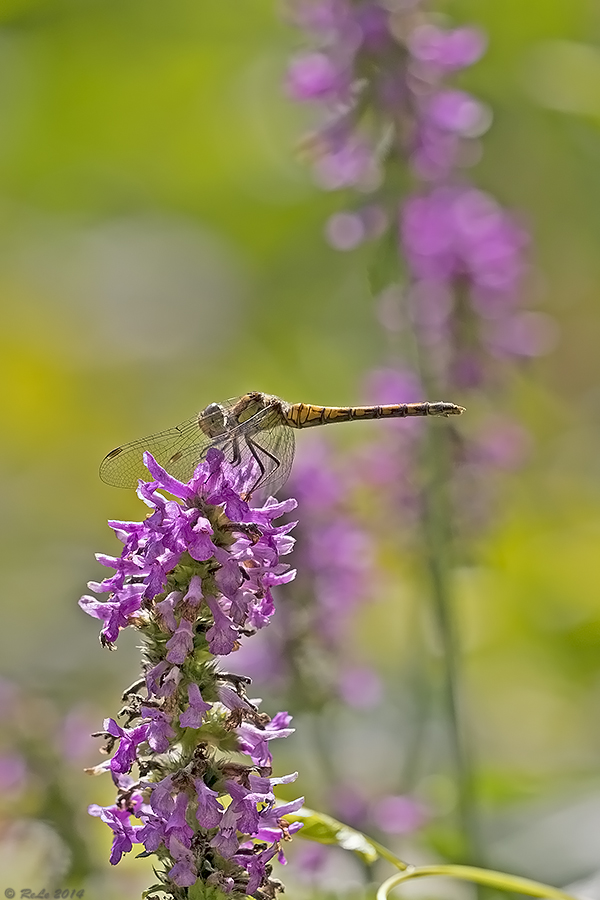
x,y
325,830
202,891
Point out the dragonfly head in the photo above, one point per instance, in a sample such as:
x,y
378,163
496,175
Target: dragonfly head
x,y
212,420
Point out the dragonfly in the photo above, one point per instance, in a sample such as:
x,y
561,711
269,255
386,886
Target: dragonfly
x,y
254,430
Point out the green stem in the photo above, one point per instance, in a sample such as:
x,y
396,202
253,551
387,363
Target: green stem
x,y
437,524
498,880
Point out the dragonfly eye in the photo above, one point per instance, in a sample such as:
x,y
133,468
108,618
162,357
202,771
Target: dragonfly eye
x,y
212,420
211,409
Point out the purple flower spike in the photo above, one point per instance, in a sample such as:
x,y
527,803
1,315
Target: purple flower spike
x,y
194,578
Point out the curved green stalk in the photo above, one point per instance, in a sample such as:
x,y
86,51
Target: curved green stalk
x,y
498,880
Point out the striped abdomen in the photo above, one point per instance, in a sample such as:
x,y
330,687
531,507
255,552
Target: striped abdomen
x,y
304,415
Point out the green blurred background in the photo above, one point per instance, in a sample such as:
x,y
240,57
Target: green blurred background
x,y
161,246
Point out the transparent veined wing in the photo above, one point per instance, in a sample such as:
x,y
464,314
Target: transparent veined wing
x,y
272,449
124,465
178,449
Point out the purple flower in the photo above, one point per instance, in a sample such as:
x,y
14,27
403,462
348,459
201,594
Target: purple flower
x,y
360,687
373,21
13,772
255,864
160,730
162,679
226,841
254,741
457,232
193,598
349,163
272,825
176,825
446,51
184,872
118,820
345,231
114,615
192,717
456,111
161,800
151,834
222,635
130,739
314,76
323,17
182,642
210,811
164,609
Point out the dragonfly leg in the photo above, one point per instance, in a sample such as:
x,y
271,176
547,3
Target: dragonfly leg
x,y
254,447
237,456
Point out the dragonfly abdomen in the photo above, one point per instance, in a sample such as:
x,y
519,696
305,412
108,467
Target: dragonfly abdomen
x,y
304,415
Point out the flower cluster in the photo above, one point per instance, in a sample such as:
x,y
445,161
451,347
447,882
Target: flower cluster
x,y
378,75
194,578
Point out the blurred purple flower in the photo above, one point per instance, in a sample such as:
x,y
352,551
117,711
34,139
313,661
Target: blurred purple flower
x,y
74,741
373,21
360,687
460,232
523,334
446,51
349,803
313,76
399,815
310,860
346,163
13,773
502,443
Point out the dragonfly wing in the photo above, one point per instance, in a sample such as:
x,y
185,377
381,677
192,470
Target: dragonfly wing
x,y
124,465
266,447
280,443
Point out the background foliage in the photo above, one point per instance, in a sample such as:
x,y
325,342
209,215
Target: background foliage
x,y
162,246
